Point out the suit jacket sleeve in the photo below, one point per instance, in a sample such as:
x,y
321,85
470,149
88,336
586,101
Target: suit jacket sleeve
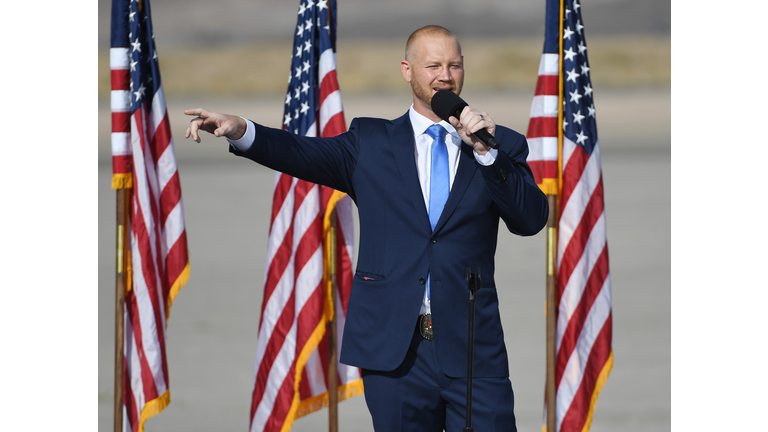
x,y
522,205
326,161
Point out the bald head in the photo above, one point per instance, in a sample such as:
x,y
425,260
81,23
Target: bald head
x,y
433,62
427,31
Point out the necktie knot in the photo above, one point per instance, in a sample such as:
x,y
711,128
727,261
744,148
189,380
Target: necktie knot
x,y
436,131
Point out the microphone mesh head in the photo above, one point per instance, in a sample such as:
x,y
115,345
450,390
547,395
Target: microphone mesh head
x,y
446,103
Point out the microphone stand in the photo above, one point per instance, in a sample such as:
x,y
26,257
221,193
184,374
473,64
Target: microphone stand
x,y
473,283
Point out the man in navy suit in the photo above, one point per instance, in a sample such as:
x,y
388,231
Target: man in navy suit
x,y
430,196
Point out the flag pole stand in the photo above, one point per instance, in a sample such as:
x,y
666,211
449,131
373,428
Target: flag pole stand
x,y
333,373
473,283
120,284
551,311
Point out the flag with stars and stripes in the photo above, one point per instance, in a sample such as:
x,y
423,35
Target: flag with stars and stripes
x,y
144,162
292,349
565,158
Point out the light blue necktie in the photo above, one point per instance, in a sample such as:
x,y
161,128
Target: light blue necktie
x,y
440,179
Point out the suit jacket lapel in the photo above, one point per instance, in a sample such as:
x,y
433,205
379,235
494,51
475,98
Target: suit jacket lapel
x,y
464,175
403,144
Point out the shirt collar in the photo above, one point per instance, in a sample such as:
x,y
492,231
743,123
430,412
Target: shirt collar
x,y
421,123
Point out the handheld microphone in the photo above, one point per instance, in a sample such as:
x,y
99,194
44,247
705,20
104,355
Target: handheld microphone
x,y
446,103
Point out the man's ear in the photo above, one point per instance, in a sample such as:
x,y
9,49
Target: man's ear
x,y
405,68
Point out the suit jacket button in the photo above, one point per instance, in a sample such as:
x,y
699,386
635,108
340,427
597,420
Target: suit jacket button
x,y
433,240
422,281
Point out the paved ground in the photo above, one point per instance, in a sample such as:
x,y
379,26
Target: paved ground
x,y
213,324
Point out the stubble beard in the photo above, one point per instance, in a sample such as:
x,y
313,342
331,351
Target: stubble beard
x,y
425,93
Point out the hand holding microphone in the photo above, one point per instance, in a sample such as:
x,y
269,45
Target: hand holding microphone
x,y
446,103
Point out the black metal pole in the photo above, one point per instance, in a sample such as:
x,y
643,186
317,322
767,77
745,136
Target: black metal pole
x,y
473,283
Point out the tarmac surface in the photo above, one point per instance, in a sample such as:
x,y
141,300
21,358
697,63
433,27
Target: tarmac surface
x,y
212,329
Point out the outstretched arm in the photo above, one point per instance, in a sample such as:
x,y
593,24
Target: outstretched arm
x,y
326,161
232,127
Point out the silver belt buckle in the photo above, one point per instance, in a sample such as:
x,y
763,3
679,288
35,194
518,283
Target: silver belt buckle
x,y
425,326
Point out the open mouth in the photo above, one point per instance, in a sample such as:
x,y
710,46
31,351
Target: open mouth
x,y
437,89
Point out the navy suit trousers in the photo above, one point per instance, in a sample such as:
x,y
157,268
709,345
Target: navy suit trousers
x,y
418,396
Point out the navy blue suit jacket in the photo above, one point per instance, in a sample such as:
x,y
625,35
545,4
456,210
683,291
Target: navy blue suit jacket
x,y
374,163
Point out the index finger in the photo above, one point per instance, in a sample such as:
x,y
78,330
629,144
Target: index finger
x,y
456,123
194,112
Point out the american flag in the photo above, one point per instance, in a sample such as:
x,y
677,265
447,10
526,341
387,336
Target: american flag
x,y
143,161
572,171
542,127
292,352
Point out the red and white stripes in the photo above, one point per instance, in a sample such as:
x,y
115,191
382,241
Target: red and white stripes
x,y
293,298
290,371
584,320
121,117
144,161
331,112
542,126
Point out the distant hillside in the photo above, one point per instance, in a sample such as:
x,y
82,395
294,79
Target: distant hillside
x,y
371,66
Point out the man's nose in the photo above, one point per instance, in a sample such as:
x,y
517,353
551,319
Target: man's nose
x,y
445,74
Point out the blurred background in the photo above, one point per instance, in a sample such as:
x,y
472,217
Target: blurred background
x,y
233,56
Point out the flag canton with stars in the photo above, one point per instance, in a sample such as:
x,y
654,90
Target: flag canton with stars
x,y
579,123
314,34
144,69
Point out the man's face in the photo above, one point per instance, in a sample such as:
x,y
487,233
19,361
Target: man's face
x,y
434,63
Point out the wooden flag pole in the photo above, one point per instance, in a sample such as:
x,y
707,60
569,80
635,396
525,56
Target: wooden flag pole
x,y
551,304
551,310
333,367
333,372
552,247
120,284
